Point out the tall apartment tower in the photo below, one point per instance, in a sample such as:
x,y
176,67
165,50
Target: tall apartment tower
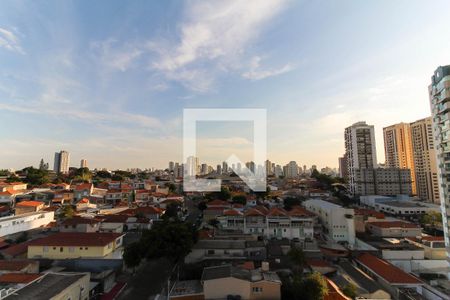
x,y
343,171
61,164
83,163
439,92
360,151
425,166
398,149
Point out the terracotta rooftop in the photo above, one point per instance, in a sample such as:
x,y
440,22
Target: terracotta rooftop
x,y
232,212
18,277
77,239
395,224
218,203
29,204
83,186
387,271
14,265
277,212
79,220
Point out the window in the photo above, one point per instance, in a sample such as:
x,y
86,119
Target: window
x,y
61,249
257,289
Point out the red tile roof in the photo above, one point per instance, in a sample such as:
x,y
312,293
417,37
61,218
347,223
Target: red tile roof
x,y
17,249
18,278
369,213
430,238
79,220
298,211
387,271
77,239
83,186
218,203
14,265
232,212
29,204
277,212
395,224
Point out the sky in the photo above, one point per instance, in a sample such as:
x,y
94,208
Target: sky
x,y
108,80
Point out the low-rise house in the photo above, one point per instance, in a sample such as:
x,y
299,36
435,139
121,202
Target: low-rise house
x,y
73,286
364,215
270,223
121,222
389,276
149,212
25,207
434,246
395,249
79,224
66,245
338,221
19,266
14,224
223,281
227,250
12,186
394,229
83,190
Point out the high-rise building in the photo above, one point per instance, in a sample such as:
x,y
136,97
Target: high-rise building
x,y
171,166
382,181
219,169
439,92
224,167
192,166
398,149
83,163
343,171
291,170
204,169
268,166
360,150
425,167
62,160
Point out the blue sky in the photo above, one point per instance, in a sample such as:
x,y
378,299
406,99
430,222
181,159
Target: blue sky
x,y
108,80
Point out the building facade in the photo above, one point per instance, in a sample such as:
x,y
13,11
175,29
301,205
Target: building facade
x,y
398,149
382,181
62,160
338,221
439,92
360,150
425,166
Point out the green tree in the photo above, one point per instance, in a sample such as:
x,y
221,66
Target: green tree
x,y
67,211
349,290
132,255
202,206
102,174
12,178
315,287
431,218
240,199
172,211
297,257
171,239
36,176
172,187
291,202
83,174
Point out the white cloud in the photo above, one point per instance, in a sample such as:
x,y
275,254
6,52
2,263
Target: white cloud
x,y
116,56
213,38
257,73
9,41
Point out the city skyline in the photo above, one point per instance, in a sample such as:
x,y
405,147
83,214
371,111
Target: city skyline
x,y
101,87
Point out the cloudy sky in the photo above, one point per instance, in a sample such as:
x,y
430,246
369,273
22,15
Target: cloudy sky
x,y
108,80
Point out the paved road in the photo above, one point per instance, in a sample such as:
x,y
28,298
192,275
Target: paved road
x,y
150,279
